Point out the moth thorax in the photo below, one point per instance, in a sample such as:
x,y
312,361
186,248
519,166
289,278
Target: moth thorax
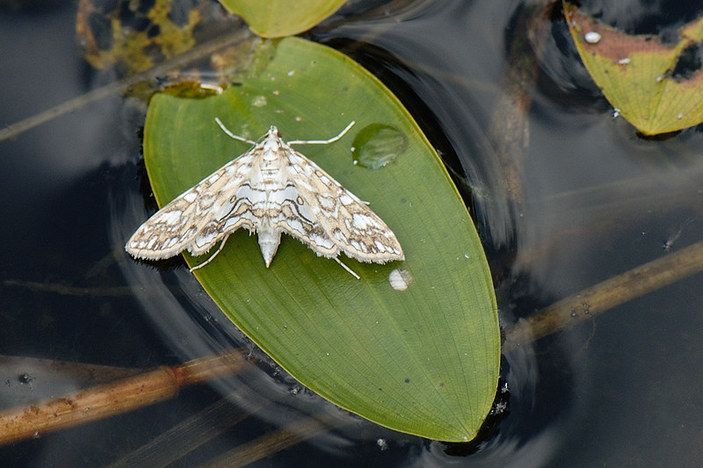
x,y
268,243
271,147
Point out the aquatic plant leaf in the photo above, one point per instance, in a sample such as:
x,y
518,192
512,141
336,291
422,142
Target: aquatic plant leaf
x,y
279,18
423,360
637,73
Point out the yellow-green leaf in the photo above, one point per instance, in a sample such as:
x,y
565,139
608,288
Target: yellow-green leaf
x,y
423,360
278,18
635,73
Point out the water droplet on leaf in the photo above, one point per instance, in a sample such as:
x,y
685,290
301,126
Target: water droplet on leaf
x,y
377,145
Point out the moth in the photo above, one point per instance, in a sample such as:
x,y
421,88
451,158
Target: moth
x,y
268,190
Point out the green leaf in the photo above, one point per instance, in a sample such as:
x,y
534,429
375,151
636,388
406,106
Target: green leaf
x,y
635,73
278,18
424,360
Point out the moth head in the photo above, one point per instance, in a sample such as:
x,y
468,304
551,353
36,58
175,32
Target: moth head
x,y
273,131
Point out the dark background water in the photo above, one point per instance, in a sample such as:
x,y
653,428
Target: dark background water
x,y
595,200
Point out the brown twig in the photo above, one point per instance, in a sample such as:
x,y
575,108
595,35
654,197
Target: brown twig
x,y
107,400
77,371
67,290
605,295
78,291
195,431
285,437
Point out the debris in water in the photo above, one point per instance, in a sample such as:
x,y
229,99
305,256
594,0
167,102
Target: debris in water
x,y
382,444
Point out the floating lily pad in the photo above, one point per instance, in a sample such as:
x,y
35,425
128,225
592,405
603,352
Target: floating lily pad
x,y
278,18
422,358
637,73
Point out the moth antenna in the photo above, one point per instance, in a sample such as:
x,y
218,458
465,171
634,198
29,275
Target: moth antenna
x,y
323,142
232,135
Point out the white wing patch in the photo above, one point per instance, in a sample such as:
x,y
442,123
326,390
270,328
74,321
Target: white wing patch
x,y
270,189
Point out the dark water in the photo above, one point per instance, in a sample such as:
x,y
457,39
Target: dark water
x,y
594,200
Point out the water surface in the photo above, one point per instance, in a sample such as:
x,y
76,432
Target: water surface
x,y
564,196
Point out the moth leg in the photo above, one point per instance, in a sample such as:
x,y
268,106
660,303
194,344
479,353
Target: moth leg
x,y
212,257
232,135
322,142
346,268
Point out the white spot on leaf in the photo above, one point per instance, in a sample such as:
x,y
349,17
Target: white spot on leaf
x,y
400,279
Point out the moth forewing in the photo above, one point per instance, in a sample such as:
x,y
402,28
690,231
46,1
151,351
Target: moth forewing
x,y
270,189
349,222
188,221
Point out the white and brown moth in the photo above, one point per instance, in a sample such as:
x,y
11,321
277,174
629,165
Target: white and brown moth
x,y
269,189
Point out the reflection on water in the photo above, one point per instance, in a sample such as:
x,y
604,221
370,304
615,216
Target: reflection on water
x,y
565,196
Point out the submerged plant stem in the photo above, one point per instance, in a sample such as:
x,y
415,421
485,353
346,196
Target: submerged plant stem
x,y
111,399
177,442
604,296
288,436
66,290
